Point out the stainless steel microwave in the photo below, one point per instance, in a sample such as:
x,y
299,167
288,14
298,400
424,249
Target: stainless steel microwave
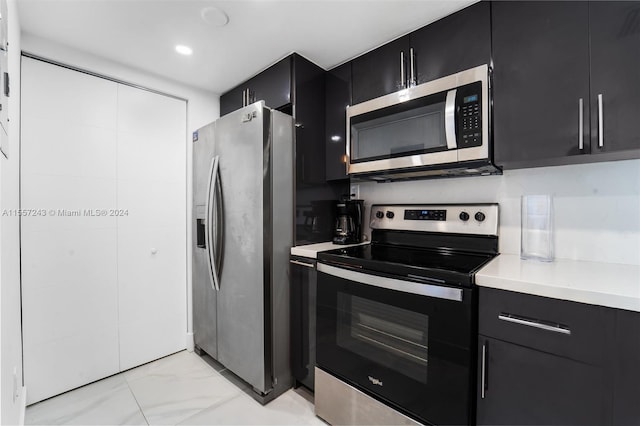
x,y
438,128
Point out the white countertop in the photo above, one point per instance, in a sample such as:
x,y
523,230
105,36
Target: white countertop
x,y
604,284
311,250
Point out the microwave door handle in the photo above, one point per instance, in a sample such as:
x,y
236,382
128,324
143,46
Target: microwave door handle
x,y
450,119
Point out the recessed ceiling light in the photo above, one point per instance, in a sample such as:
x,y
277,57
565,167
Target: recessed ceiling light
x,y
184,50
214,16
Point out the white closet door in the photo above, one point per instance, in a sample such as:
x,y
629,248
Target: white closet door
x,y
152,235
69,262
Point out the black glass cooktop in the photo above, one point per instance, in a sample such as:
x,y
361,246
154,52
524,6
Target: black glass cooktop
x,y
421,264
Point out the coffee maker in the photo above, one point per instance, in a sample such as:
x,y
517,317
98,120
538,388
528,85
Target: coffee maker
x,y
349,217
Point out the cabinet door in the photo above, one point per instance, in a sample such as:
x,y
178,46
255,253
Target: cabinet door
x,y
524,386
232,100
303,320
272,85
338,97
309,118
454,43
541,71
378,73
615,68
626,376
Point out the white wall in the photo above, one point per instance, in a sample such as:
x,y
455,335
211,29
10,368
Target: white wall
x,y
596,206
10,334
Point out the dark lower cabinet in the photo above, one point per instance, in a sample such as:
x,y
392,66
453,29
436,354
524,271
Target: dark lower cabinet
x,y
626,369
541,71
546,361
303,282
615,69
523,386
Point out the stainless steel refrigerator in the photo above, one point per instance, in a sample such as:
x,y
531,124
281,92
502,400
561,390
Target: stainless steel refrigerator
x,y
243,230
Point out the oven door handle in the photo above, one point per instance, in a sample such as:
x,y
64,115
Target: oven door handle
x,y
435,291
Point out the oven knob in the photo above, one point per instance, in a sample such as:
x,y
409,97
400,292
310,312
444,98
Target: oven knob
x,y
480,216
379,214
390,215
464,216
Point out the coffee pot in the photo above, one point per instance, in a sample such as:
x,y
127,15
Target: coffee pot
x,y
349,216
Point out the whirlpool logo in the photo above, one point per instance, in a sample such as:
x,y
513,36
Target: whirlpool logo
x,y
375,381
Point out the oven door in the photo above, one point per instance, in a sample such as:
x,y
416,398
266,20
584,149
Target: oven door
x,y
406,343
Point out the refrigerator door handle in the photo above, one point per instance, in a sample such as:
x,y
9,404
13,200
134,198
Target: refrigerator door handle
x,y
219,235
211,189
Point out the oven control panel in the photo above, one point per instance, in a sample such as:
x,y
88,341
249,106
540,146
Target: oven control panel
x,y
479,219
425,215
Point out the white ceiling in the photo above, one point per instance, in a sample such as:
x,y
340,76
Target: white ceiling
x,y
143,33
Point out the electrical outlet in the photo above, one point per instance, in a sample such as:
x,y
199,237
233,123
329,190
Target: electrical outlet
x,y
354,192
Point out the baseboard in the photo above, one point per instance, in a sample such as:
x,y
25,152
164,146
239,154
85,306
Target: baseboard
x,y
23,405
190,342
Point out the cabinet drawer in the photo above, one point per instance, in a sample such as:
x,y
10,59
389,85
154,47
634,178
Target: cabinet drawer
x,y
569,329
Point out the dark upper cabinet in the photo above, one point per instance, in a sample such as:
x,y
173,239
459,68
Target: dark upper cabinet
x,y
565,82
541,72
626,369
337,98
309,109
381,71
272,85
615,68
232,100
523,386
452,44
455,43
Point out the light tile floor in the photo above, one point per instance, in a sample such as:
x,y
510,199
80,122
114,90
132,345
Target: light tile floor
x,y
181,389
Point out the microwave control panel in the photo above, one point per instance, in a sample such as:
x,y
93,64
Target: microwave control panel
x,y
469,103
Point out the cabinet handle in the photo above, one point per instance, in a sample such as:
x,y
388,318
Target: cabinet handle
x,y
581,124
600,122
535,324
412,81
403,82
483,372
244,98
305,264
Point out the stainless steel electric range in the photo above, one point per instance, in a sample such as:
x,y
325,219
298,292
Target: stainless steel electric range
x,y
397,319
